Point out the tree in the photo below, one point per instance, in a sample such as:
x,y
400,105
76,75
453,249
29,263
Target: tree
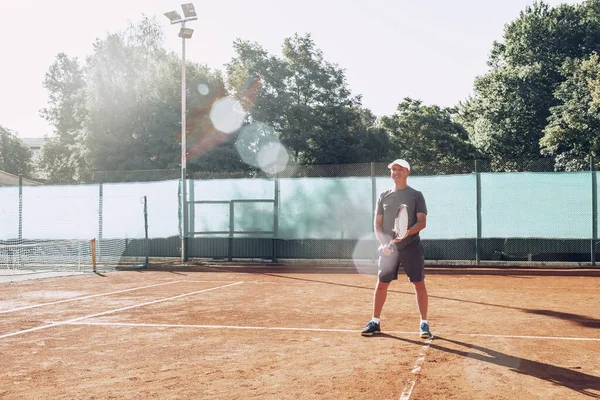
x,y
572,134
350,135
134,96
15,156
506,117
122,110
509,111
429,136
62,158
305,99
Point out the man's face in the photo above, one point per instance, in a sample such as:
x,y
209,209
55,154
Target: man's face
x,y
398,172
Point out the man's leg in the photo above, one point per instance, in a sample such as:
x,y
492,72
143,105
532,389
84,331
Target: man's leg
x,y
388,271
413,260
422,298
422,304
379,297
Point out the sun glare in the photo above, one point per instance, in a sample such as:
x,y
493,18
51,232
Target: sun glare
x,y
227,115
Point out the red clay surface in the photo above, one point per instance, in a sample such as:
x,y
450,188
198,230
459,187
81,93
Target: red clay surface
x,y
241,333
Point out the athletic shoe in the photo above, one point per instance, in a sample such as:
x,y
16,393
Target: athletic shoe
x,y
425,334
371,329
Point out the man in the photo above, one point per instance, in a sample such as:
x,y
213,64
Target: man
x,y
407,251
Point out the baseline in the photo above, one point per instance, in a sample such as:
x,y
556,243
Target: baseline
x,y
146,325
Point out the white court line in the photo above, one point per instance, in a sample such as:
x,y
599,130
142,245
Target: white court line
x,y
300,329
223,327
85,297
526,337
415,371
270,282
113,311
102,294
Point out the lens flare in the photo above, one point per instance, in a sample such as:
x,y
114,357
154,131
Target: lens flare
x,y
251,139
203,89
227,115
273,158
364,256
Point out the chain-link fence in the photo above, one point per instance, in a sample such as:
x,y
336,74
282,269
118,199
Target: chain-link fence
x,y
475,214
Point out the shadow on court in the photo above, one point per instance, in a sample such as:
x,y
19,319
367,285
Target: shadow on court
x,y
588,385
578,319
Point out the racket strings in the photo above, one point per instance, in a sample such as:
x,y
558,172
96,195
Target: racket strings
x,y
397,225
401,221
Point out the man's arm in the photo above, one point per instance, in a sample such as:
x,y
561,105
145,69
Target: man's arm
x,y
378,228
419,225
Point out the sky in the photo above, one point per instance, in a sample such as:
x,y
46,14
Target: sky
x,y
390,49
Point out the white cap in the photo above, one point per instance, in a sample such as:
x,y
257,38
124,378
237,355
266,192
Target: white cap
x,y
402,163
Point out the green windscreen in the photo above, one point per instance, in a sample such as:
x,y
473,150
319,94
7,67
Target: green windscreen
x,y
513,205
536,205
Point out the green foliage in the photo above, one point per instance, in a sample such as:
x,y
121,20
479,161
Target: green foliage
x,y
122,110
131,97
508,115
15,156
428,136
62,158
306,100
573,130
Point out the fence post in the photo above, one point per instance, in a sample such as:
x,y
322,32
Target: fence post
x,y
594,212
373,198
231,229
147,259
20,209
373,189
100,223
185,216
478,202
191,213
275,218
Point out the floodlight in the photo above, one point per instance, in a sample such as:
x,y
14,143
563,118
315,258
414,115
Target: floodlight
x,y
173,16
185,33
188,10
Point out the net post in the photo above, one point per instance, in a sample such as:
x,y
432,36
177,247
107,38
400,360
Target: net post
x,y
93,246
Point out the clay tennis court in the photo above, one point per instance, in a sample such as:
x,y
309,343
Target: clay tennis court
x,y
252,332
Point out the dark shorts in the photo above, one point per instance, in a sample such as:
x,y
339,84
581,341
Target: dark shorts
x,y
412,259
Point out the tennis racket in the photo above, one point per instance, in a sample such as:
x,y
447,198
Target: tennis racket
x,y
400,228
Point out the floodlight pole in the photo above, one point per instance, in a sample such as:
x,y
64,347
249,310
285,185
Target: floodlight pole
x,y
183,154
175,18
